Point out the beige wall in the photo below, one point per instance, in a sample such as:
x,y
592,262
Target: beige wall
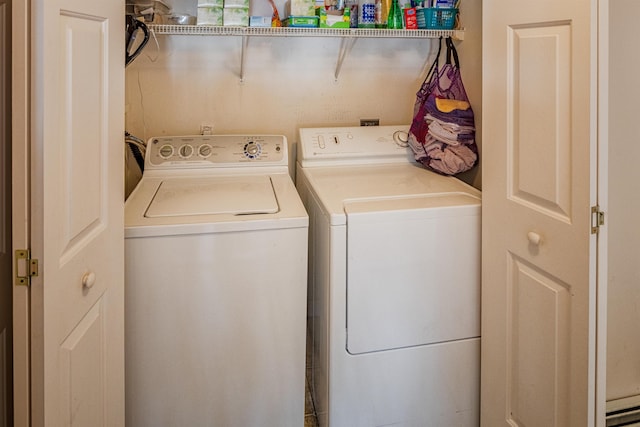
x,y
288,82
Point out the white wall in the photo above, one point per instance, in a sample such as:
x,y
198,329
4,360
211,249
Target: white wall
x,y
623,299
288,82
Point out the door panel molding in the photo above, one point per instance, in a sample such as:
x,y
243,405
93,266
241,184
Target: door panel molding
x,y
540,331
539,142
84,141
82,367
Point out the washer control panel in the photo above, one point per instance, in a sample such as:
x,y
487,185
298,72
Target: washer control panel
x,y
216,150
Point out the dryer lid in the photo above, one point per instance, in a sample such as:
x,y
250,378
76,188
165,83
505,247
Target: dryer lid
x,y
213,195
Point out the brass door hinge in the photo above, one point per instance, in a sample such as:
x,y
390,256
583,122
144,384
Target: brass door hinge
x,y
25,267
597,219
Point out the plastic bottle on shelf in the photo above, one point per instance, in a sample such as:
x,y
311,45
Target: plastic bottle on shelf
x,y
386,5
352,5
394,20
379,20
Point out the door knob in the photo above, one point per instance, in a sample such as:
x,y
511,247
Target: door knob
x,y
88,279
534,238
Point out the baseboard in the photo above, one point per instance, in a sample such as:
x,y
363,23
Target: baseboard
x,y
623,412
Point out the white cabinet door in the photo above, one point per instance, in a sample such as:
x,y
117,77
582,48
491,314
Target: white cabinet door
x,y
77,128
538,320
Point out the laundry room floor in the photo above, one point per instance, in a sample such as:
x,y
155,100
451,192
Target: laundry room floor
x,y
310,419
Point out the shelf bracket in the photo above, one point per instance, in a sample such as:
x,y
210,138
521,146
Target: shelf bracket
x,y
346,44
245,42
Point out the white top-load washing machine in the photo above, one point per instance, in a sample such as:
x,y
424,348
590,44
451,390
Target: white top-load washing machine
x,y
216,270
394,282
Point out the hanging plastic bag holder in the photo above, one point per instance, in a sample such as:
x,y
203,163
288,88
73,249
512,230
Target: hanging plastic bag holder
x,y
442,133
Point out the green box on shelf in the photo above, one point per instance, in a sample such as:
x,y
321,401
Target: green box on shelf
x,y
301,21
331,20
340,24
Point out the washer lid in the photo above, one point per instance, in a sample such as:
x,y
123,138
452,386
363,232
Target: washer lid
x,y
213,195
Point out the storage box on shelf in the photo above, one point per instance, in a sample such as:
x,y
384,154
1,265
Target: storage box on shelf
x,y
301,21
209,12
300,8
209,15
436,18
235,16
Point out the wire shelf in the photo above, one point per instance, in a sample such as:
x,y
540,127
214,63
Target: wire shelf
x,y
203,30
348,35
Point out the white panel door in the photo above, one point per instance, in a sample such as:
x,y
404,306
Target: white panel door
x,y
77,199
538,324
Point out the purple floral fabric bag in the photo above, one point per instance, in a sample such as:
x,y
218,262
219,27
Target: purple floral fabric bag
x,y
442,134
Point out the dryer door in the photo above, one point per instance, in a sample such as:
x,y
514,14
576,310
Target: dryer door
x,y
413,271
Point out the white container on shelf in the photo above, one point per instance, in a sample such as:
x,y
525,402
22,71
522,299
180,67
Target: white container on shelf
x,y
236,3
210,15
235,17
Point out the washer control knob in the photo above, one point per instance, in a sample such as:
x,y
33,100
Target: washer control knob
x,y
166,151
205,150
186,151
401,138
252,149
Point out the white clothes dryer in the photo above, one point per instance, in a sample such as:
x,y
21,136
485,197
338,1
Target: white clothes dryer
x,y
215,274
394,282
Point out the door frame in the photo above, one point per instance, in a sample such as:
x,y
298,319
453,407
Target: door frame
x,y
6,257
21,204
601,178
20,124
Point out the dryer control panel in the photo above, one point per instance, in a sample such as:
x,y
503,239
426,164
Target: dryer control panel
x,y
353,145
215,151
